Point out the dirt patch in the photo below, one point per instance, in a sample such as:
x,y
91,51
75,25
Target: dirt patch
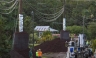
x,y
54,46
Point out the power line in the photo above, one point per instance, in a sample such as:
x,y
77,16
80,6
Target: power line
x,y
11,9
7,1
53,16
47,17
47,20
46,13
42,13
8,8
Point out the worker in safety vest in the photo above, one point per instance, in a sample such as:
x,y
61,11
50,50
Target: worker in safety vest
x,y
87,43
39,53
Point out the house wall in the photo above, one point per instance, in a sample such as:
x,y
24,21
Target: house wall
x,y
58,35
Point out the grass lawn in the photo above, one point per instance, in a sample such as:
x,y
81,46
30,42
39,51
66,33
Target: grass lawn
x,y
34,44
30,45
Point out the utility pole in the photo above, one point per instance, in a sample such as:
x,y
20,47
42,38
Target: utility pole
x,y
20,17
20,6
64,9
21,39
32,13
83,23
64,19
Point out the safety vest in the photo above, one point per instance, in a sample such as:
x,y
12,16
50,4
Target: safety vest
x,y
39,53
87,42
74,50
36,53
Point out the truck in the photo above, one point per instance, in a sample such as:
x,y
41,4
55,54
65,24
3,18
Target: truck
x,y
77,47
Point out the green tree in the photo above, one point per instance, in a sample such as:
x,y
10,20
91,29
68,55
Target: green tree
x,y
93,44
92,30
5,40
28,24
36,38
75,29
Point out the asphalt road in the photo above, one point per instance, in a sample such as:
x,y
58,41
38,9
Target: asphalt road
x,y
58,55
95,55
55,55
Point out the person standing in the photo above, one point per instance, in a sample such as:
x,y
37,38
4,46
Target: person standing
x,y
30,54
39,53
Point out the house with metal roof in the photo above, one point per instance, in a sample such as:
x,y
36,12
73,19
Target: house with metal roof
x,y
41,29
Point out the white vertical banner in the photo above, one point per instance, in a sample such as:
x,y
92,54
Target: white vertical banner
x,y
64,24
20,23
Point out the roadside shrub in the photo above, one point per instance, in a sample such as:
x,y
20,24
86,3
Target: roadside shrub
x,y
93,44
46,36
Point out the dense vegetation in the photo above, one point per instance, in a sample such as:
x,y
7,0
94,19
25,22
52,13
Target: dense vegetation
x,y
75,12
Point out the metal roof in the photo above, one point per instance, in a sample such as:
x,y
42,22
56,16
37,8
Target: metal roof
x,y
45,28
53,30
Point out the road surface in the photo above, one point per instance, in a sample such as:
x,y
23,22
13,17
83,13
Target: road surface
x,y
55,55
